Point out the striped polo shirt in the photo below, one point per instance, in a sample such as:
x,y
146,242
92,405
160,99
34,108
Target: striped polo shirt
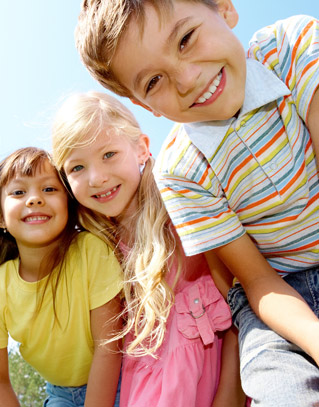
x,y
255,173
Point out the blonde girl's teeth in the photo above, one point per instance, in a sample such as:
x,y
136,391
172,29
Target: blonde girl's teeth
x,y
201,100
207,95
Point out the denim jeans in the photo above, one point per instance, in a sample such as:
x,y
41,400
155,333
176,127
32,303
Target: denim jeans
x,y
275,372
60,396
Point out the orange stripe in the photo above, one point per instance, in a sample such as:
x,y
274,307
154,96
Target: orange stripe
x,y
270,142
310,65
199,220
169,145
293,180
192,163
295,48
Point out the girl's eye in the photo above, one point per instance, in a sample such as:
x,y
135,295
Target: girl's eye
x,y
77,168
152,83
18,192
109,154
185,40
49,189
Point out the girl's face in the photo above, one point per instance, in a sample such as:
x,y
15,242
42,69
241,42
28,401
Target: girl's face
x,y
104,175
35,208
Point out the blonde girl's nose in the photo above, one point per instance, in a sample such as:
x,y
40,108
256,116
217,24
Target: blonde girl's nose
x,y
97,178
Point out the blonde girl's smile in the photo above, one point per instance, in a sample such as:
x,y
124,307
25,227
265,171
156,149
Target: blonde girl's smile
x,y
104,175
107,195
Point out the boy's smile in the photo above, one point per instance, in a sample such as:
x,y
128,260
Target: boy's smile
x,y
187,64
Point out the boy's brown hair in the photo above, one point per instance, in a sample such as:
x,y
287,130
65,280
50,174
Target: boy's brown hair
x,y
100,27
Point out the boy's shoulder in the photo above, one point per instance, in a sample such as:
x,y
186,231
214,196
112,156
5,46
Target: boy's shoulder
x,y
286,30
173,149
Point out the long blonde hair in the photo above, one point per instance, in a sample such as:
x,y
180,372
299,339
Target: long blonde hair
x,y
148,296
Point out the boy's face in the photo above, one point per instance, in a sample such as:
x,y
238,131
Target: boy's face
x,y
188,66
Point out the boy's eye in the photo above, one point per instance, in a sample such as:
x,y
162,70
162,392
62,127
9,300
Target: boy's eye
x,y
185,40
109,154
152,83
77,168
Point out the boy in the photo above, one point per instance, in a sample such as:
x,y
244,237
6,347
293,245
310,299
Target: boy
x,y
240,175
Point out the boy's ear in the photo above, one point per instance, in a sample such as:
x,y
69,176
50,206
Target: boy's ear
x,y
228,12
137,102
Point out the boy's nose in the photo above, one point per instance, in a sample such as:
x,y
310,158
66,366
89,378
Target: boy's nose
x,y
34,201
186,78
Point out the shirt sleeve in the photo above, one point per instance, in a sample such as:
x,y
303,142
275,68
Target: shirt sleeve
x,y
104,274
194,197
291,49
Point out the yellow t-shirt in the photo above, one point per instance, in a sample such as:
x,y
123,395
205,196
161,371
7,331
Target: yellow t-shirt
x,y
62,355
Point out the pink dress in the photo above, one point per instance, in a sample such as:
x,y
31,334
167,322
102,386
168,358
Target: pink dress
x,y
186,371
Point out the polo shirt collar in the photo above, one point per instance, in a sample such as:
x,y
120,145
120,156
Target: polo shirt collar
x,y
262,87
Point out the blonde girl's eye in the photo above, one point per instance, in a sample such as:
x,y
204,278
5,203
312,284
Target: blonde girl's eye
x,y
152,83
77,168
185,40
109,154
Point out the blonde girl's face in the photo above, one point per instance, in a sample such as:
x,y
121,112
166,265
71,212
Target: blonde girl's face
x,y
104,175
35,208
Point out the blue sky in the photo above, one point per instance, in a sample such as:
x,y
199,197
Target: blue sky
x,y
40,65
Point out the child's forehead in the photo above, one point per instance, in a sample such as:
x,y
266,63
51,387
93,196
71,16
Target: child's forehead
x,y
42,169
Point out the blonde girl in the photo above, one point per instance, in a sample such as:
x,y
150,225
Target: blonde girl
x,y
58,288
174,313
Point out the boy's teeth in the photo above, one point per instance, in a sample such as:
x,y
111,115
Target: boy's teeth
x,y
211,89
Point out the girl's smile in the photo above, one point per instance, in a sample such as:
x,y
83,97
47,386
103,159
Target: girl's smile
x,y
35,208
104,174
107,195
36,218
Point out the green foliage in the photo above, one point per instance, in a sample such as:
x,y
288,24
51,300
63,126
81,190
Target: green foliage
x,y
28,385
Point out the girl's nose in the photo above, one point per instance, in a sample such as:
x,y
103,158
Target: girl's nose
x,y
97,178
186,77
35,201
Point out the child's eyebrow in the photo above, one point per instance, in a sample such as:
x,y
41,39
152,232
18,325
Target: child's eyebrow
x,y
171,38
177,27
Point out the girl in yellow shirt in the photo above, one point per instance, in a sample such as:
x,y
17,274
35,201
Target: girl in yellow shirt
x,y
58,288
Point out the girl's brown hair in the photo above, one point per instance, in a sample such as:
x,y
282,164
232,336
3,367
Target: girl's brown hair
x,y
25,162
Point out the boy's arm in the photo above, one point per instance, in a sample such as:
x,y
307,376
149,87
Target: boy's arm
x,y
7,395
275,302
313,123
106,365
229,392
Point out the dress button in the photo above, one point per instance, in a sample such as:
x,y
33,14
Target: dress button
x,y
273,166
196,301
242,123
